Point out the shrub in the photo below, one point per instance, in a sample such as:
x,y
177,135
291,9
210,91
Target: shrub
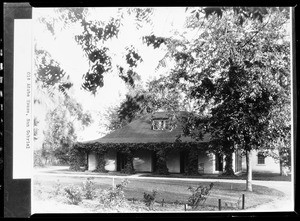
x,y
57,188
88,188
199,195
38,189
149,199
114,197
73,194
38,158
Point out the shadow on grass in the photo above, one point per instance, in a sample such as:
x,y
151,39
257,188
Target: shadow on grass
x,y
242,176
256,176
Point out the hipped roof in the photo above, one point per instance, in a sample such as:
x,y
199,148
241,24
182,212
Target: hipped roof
x,y
139,131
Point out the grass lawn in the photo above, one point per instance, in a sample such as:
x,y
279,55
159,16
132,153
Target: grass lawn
x,y
174,193
256,176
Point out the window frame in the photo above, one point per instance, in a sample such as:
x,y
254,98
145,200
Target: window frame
x,y
163,124
261,159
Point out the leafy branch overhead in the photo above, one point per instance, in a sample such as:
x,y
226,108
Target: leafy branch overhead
x,y
100,61
48,71
132,59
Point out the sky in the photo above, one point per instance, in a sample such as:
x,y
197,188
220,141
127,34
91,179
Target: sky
x,y
69,54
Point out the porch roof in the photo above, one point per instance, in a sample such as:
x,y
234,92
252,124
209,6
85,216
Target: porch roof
x,y
139,131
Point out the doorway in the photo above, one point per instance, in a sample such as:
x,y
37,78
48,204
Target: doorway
x,y
183,161
154,162
121,161
219,162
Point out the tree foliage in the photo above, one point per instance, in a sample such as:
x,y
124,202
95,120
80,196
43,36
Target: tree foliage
x,y
64,113
240,89
60,132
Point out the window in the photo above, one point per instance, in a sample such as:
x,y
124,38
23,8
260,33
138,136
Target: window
x,y
260,158
158,124
161,124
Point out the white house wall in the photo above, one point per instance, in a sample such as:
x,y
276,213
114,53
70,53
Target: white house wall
x,y
92,162
110,160
207,161
270,166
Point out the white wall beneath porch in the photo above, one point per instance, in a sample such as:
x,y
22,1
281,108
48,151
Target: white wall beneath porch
x,y
110,160
208,161
92,161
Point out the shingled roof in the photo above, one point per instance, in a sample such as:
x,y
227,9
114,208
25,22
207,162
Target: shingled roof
x,y
139,131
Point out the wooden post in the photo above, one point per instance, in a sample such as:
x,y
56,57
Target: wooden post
x,y
219,204
113,182
162,202
184,207
243,201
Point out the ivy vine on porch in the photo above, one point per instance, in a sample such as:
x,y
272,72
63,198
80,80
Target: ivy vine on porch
x,y
160,150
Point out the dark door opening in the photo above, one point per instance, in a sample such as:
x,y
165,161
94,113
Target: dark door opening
x,y
219,162
121,161
183,160
154,162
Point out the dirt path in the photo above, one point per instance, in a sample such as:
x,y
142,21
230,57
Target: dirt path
x,y
279,204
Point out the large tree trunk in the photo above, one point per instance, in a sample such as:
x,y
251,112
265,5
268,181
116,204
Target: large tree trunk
x,y
249,171
228,166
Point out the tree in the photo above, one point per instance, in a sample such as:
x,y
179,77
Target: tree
x,y
60,132
64,113
238,73
156,96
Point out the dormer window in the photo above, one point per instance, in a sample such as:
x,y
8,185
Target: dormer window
x,y
161,124
162,121
158,124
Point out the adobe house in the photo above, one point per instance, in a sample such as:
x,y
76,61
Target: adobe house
x,y
146,142
263,164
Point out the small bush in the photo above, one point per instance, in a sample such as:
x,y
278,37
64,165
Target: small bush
x,y
199,195
88,188
57,188
38,189
38,158
73,195
114,197
149,199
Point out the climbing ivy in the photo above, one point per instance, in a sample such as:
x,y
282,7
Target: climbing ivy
x,y
192,162
160,150
161,164
100,161
77,159
128,168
